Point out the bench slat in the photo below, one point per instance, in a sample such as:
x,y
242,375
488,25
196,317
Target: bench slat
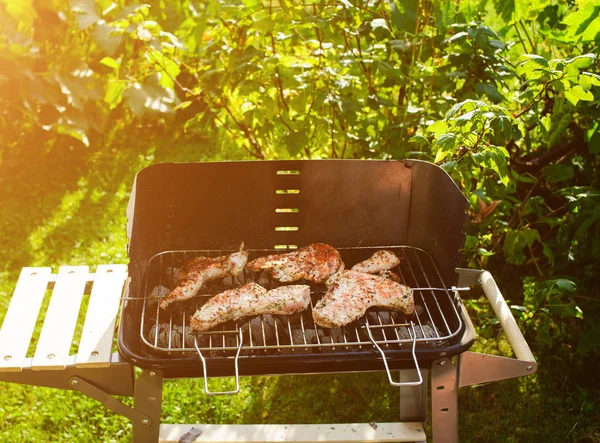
x,y
99,327
52,351
21,317
346,432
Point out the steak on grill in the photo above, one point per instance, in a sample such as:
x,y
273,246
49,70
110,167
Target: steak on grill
x,y
250,299
315,263
351,293
200,270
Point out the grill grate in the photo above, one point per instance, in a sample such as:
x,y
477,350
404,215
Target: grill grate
x,y
436,319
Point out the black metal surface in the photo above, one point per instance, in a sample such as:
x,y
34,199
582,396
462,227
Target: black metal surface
x,y
345,203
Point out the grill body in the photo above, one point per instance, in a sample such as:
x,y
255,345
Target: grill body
x,y
282,205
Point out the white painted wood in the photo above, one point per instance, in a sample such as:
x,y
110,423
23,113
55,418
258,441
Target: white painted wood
x,y
21,317
95,347
506,318
340,433
53,347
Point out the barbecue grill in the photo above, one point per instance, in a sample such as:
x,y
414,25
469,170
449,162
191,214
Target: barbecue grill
x,y
181,211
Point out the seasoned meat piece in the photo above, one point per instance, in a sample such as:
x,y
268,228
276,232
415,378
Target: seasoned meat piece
x,y
391,275
314,263
250,299
202,269
379,261
352,293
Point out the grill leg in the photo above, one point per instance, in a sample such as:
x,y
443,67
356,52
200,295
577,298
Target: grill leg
x,y
147,398
413,399
444,400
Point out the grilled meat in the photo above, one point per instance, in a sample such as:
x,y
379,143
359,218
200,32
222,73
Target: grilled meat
x,y
314,263
391,275
352,293
250,299
380,261
203,269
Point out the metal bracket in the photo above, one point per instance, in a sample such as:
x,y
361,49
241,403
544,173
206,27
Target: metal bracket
x,y
85,387
475,368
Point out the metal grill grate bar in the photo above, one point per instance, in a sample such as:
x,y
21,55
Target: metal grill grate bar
x,y
436,320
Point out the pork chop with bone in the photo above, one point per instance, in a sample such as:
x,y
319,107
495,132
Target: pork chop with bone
x,y
200,270
247,300
351,293
314,263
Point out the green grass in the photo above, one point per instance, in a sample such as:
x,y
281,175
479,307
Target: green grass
x,y
68,207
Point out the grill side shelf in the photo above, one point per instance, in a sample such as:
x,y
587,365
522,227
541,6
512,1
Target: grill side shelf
x,y
21,316
56,337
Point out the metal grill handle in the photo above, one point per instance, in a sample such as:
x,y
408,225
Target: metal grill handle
x,y
387,368
237,375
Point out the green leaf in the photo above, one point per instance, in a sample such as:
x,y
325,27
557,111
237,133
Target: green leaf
x,y
404,15
558,172
449,166
585,22
484,252
494,158
379,23
564,285
446,142
528,9
114,92
295,141
490,91
573,310
587,223
505,9
86,13
252,4
419,139
168,68
582,61
594,142
589,340
149,97
589,79
104,35
22,11
530,236
110,62
534,58
456,37
467,104
444,13
577,93
438,127
532,66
